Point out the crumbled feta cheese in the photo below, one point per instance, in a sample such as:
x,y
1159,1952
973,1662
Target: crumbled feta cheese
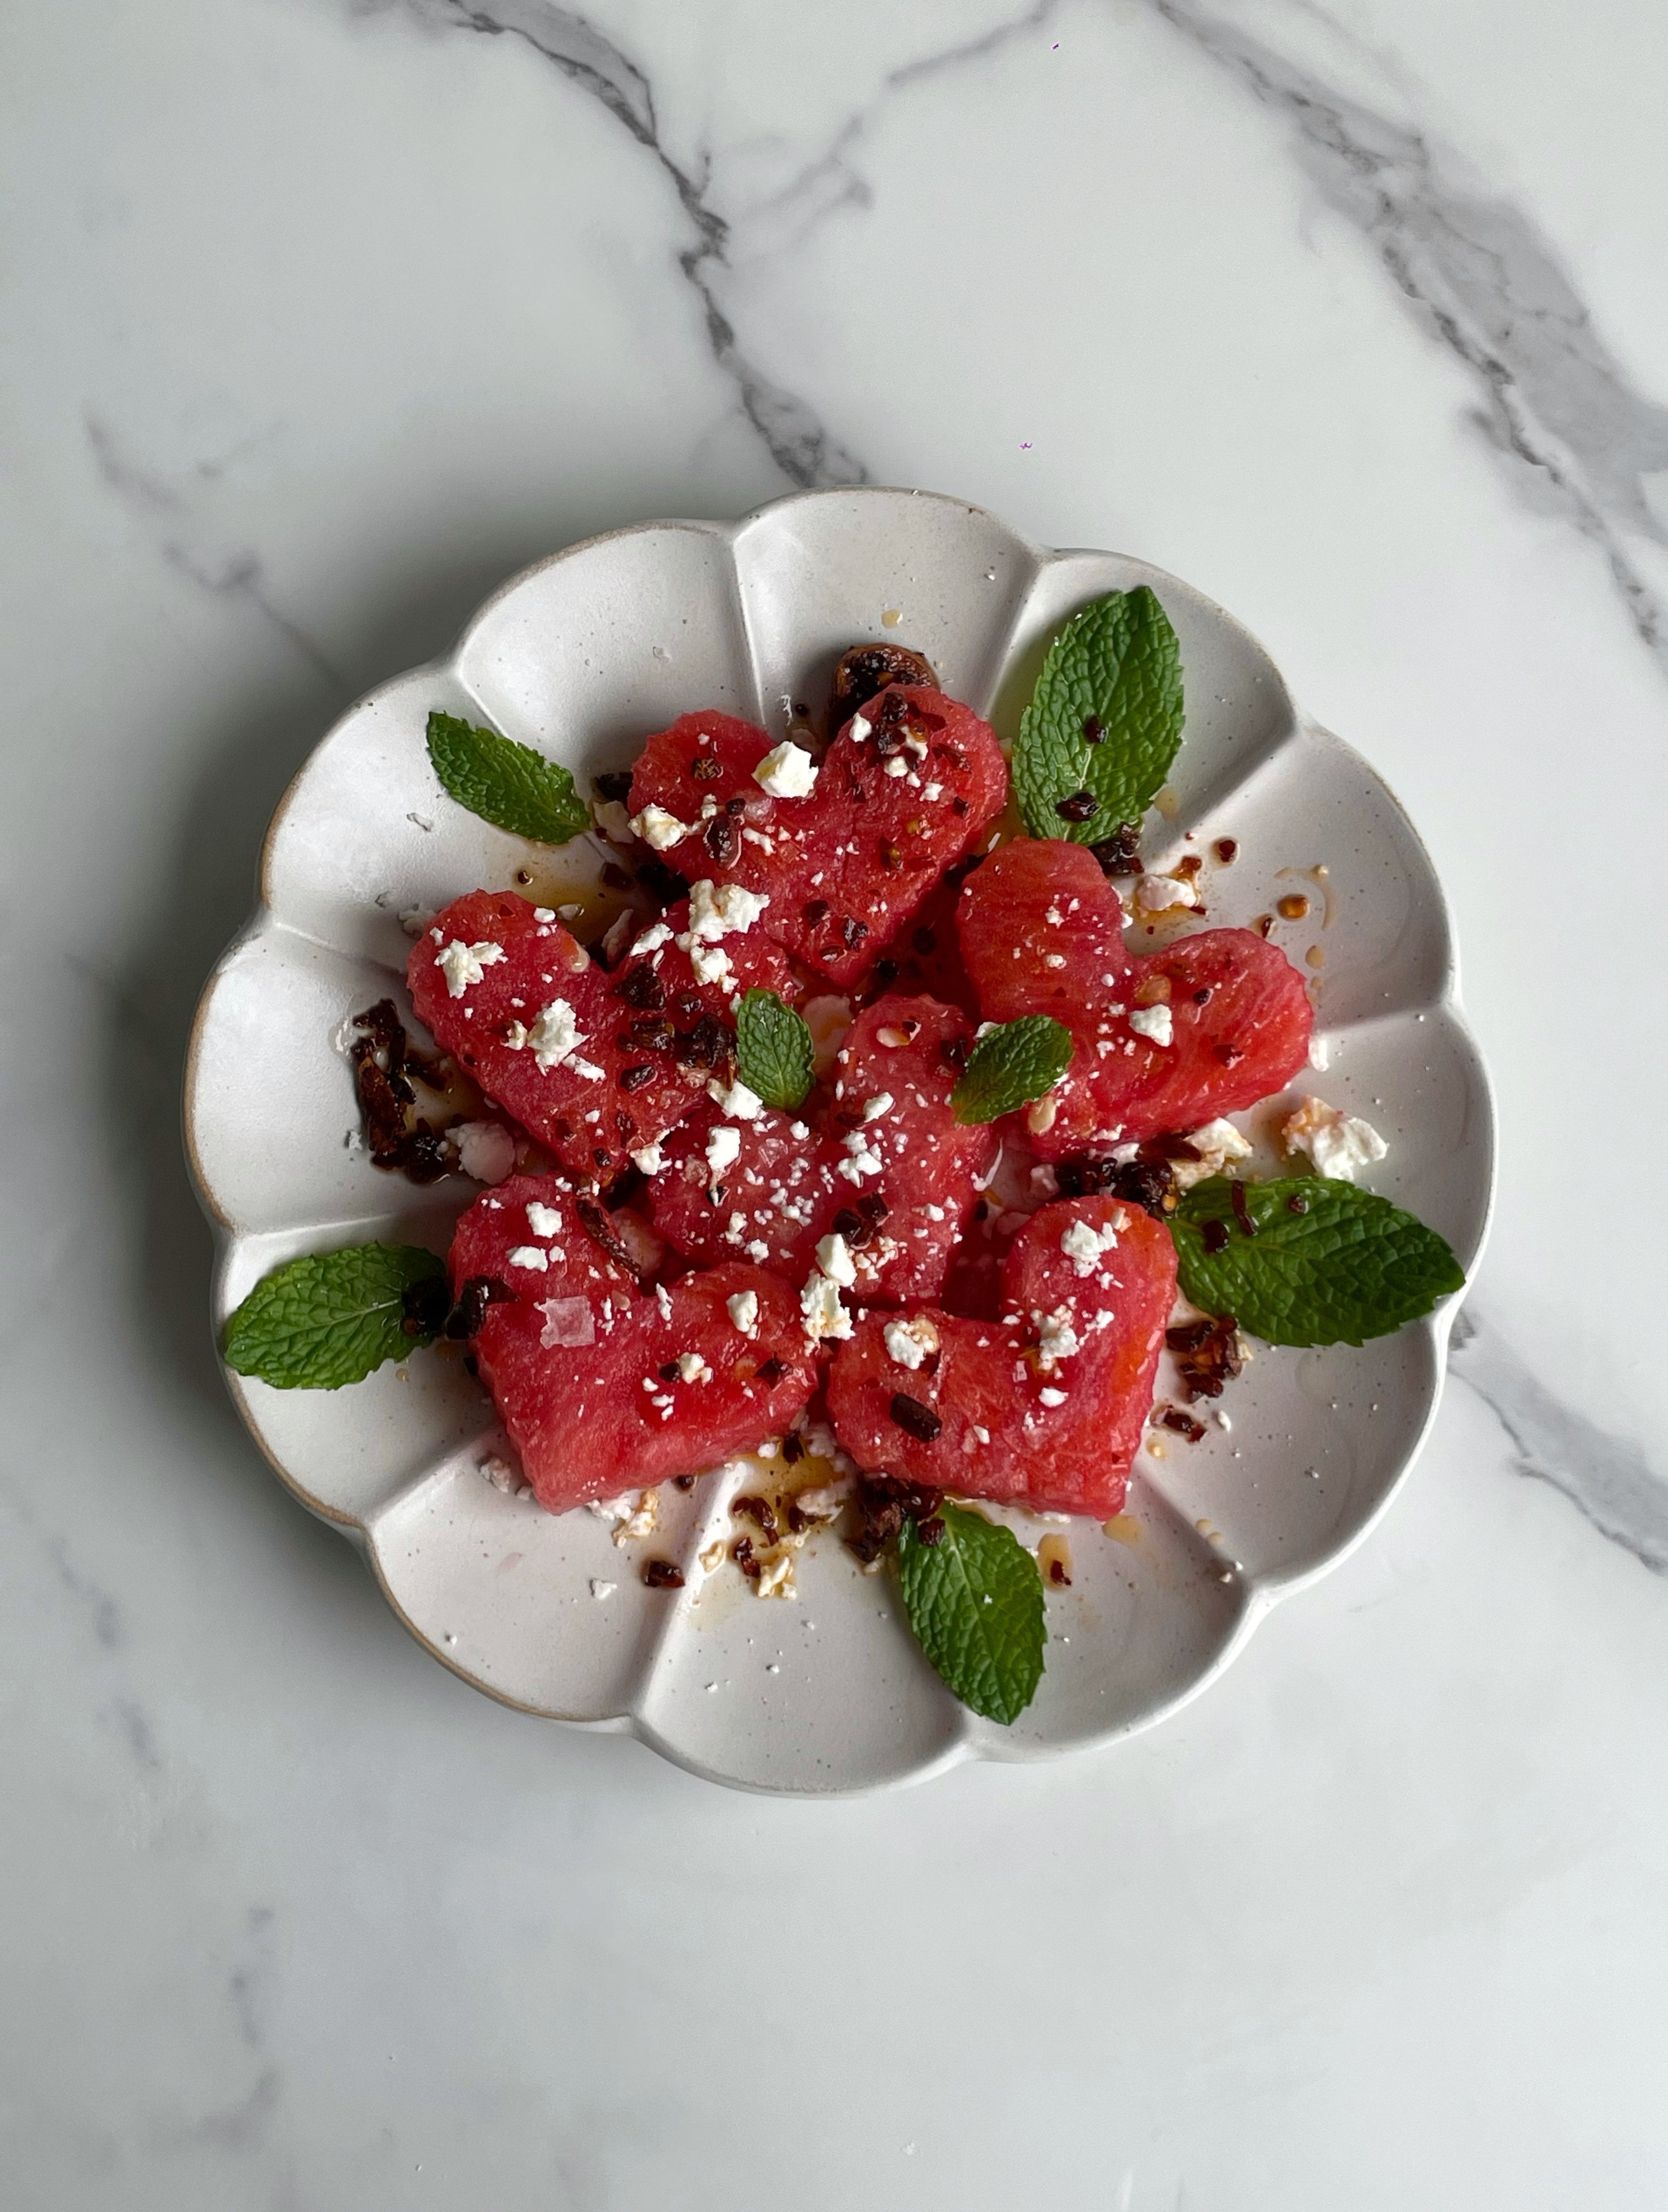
x,y
819,1303
691,1368
824,1500
716,912
648,1159
743,1309
1156,1023
568,1322
657,827
652,939
531,1257
1319,1055
413,920
898,765
600,1589
554,1035
629,1521
500,1474
860,726
911,1343
723,1149
785,772
711,964
834,1258
1057,1340
874,1107
1216,1143
775,1578
861,1159
1051,1397
612,819
485,1150
1085,1245
463,964
1337,1142
1158,894
544,1220
735,1099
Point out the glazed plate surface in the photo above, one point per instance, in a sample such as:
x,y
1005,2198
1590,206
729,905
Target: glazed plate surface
x,y
583,657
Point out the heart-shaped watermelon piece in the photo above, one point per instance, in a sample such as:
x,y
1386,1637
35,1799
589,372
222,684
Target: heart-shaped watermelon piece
x,y
882,1160
596,1063
605,1386
1164,1042
1043,1407
904,791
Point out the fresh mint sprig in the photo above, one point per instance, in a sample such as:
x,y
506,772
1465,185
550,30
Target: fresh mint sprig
x,y
1010,1065
1324,1262
775,1056
974,1601
1096,743
330,1317
505,783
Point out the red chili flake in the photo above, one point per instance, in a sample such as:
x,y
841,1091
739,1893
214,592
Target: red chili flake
x,y
793,1447
798,1519
915,1420
851,1225
1172,1417
1226,850
722,839
738,806
425,1306
1057,1575
953,754
742,1552
1297,1203
852,931
862,672
615,876
705,1045
1215,1236
1078,807
598,1225
613,783
1119,854
633,1078
660,1574
873,1207
1242,1209
642,988
1207,1353
1264,924
930,1531
883,1503
760,1511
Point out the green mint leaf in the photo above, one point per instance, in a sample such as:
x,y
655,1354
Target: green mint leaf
x,y
1346,1267
974,1601
330,1317
1010,1066
1117,667
506,784
775,1055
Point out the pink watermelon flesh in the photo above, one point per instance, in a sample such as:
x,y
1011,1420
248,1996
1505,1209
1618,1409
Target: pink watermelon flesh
x,y
997,1437
648,1031
568,1356
1042,933
846,867
899,1187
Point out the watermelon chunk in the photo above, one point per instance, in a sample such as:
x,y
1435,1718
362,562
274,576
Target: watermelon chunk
x,y
1044,1407
1042,933
604,1386
623,1055
885,1162
847,866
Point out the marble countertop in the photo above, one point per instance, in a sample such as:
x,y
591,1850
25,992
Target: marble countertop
x,y
323,316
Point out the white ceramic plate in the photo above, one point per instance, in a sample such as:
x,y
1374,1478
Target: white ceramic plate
x,y
584,656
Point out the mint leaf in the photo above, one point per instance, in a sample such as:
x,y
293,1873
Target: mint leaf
x,y
1010,1066
1348,1266
506,784
974,1601
775,1055
1115,667
330,1317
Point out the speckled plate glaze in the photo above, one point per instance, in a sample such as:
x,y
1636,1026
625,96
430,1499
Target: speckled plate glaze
x,y
584,656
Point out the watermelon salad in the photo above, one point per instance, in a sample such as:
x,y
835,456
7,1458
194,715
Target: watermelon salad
x,y
864,1117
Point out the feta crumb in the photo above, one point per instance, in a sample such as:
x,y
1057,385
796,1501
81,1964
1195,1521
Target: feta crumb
x,y
544,1220
691,1368
554,1035
723,1149
1320,1053
716,912
775,1578
1216,1143
568,1322
485,1150
531,1257
1056,1340
1084,1244
819,1303
600,1589
862,1159
743,1309
1157,1023
657,827
911,1343
652,939
1337,1142
612,819
1158,894
711,964
463,964
834,1258
1051,1397
785,772
860,726
898,765
500,1474
825,1500
648,1159
631,1522
413,920
874,1107
735,1099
